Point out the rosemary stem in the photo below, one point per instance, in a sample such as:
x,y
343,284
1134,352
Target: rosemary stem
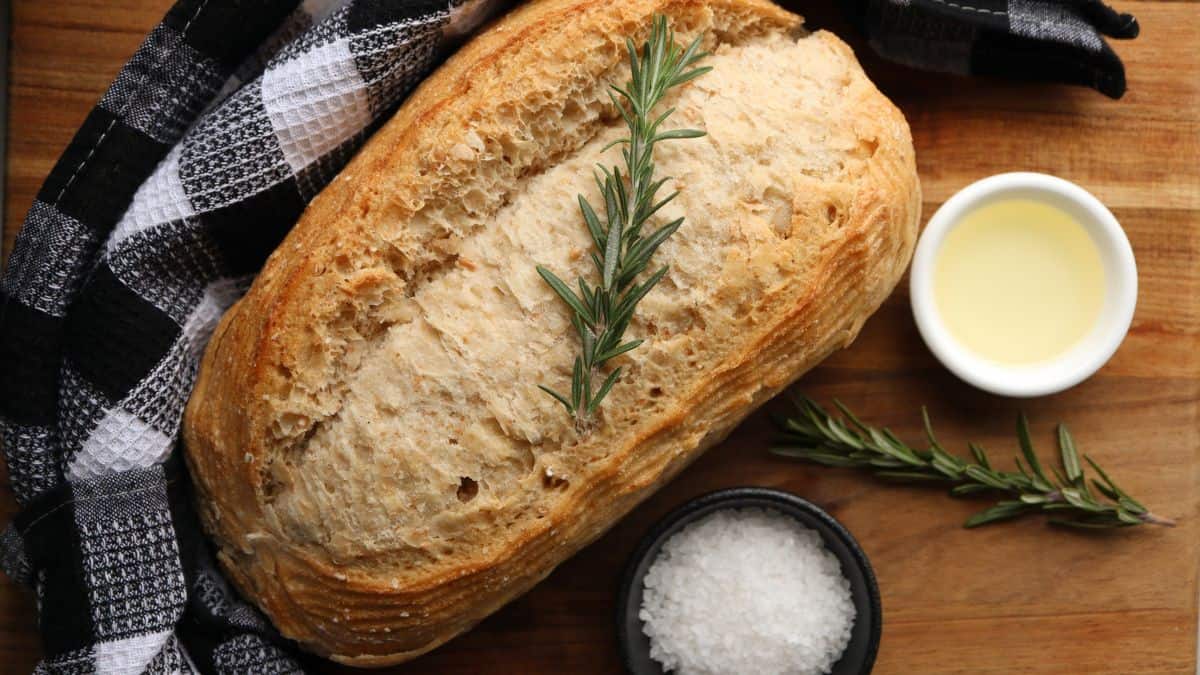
x,y
1065,493
1153,519
601,313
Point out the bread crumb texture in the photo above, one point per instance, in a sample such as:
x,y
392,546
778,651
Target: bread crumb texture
x,y
407,477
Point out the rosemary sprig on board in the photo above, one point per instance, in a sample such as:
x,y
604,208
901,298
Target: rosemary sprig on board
x,y
818,436
601,313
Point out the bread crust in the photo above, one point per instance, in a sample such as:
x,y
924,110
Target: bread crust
x,y
281,365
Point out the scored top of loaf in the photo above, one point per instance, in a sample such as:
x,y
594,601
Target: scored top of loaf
x,y
367,431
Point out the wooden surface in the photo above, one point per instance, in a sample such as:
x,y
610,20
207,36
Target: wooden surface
x,y
1015,598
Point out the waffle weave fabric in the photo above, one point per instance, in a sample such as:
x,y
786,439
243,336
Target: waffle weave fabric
x,y
204,151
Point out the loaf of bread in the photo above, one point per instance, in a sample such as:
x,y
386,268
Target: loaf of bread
x,y
371,453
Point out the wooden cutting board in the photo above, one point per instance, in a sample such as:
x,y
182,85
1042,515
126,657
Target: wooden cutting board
x,y
1014,598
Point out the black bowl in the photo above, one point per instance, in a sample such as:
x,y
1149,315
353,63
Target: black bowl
x,y
859,657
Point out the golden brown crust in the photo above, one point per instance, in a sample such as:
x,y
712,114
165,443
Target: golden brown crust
x,y
270,406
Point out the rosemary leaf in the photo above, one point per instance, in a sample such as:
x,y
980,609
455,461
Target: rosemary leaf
x,y
604,388
593,222
969,489
1027,448
910,476
1070,456
557,396
1001,511
568,296
980,456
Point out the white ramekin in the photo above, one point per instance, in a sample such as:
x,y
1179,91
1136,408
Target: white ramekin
x,y
1078,363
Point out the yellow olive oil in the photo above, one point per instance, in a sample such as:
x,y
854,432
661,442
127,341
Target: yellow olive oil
x,y
1018,282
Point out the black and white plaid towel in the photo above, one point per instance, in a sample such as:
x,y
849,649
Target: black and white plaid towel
x,y
231,116
1051,40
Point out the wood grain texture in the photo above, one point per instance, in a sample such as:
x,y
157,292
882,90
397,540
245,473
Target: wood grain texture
x,y
1018,597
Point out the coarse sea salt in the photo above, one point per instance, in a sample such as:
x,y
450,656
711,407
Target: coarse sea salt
x,y
746,591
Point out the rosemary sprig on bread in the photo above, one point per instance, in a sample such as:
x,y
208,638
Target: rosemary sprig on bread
x,y
602,313
816,435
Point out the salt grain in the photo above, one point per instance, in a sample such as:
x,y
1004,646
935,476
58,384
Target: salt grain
x,y
746,591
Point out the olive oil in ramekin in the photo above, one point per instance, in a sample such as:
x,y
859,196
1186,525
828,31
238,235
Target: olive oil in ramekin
x,y
1018,281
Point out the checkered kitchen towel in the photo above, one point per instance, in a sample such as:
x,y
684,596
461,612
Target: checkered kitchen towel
x,y
1052,40
192,167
